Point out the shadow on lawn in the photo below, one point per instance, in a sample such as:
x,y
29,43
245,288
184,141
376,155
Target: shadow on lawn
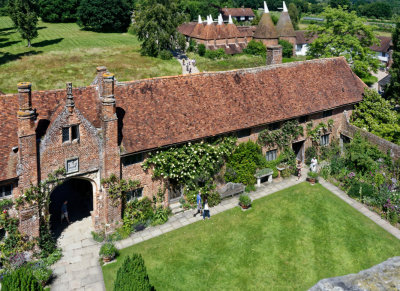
x,y
7,57
47,42
7,43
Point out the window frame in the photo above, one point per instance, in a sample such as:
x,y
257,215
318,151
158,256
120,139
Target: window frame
x,y
132,159
70,130
324,140
3,191
243,133
273,153
132,195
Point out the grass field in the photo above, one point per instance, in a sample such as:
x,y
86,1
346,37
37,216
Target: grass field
x,y
287,241
62,52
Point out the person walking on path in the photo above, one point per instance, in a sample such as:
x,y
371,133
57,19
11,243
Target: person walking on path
x,y
206,210
198,200
64,212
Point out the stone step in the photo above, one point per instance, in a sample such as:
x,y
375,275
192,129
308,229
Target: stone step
x,y
176,208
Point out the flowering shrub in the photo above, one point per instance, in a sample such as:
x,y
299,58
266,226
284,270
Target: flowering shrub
x,y
183,164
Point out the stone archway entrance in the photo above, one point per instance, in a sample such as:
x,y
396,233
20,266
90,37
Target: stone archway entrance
x,y
79,194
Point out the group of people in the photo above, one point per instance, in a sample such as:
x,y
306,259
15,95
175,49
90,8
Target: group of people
x,y
313,167
202,208
189,63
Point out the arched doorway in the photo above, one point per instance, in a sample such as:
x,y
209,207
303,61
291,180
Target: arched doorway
x,y
79,194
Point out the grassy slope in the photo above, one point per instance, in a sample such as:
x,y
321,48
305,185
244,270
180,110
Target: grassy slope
x,y
62,52
288,240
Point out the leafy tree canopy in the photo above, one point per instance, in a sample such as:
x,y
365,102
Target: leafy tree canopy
x,y
156,24
256,48
345,34
106,16
23,14
393,90
377,116
58,10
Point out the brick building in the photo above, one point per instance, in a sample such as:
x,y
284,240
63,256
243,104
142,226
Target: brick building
x,y
110,127
233,39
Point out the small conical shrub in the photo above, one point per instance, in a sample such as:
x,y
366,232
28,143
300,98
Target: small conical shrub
x,y
22,280
132,275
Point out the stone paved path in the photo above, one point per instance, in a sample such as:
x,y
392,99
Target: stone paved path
x,y
79,269
185,69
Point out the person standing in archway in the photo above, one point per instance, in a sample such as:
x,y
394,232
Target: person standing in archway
x,y
64,212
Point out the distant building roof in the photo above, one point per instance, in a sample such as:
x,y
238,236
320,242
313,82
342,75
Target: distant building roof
x,y
265,28
303,38
385,42
237,12
246,30
284,26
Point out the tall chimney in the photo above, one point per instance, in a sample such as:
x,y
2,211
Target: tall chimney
x,y
70,104
274,55
100,71
107,95
26,115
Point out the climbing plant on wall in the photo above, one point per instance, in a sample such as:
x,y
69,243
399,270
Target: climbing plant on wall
x,y
186,163
314,133
283,136
116,187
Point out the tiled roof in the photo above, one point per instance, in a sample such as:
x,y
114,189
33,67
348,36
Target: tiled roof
x,y
265,28
187,28
246,30
237,12
385,42
385,80
169,110
302,37
209,32
284,25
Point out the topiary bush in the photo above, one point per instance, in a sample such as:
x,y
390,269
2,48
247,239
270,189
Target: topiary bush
x,y
22,280
132,275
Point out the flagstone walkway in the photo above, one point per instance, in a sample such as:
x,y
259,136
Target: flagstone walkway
x,y
79,269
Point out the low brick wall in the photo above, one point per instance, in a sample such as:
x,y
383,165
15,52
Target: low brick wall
x,y
384,145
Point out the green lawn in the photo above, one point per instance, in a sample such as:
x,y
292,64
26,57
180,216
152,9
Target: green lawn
x,y
62,52
287,241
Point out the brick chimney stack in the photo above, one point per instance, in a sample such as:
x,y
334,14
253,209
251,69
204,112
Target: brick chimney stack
x,y
111,160
274,55
107,95
27,159
100,71
70,104
26,115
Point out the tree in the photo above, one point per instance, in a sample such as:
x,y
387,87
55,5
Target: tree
x,y
339,3
58,10
393,90
156,24
287,48
376,9
345,34
132,275
377,116
23,14
294,15
106,16
256,48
